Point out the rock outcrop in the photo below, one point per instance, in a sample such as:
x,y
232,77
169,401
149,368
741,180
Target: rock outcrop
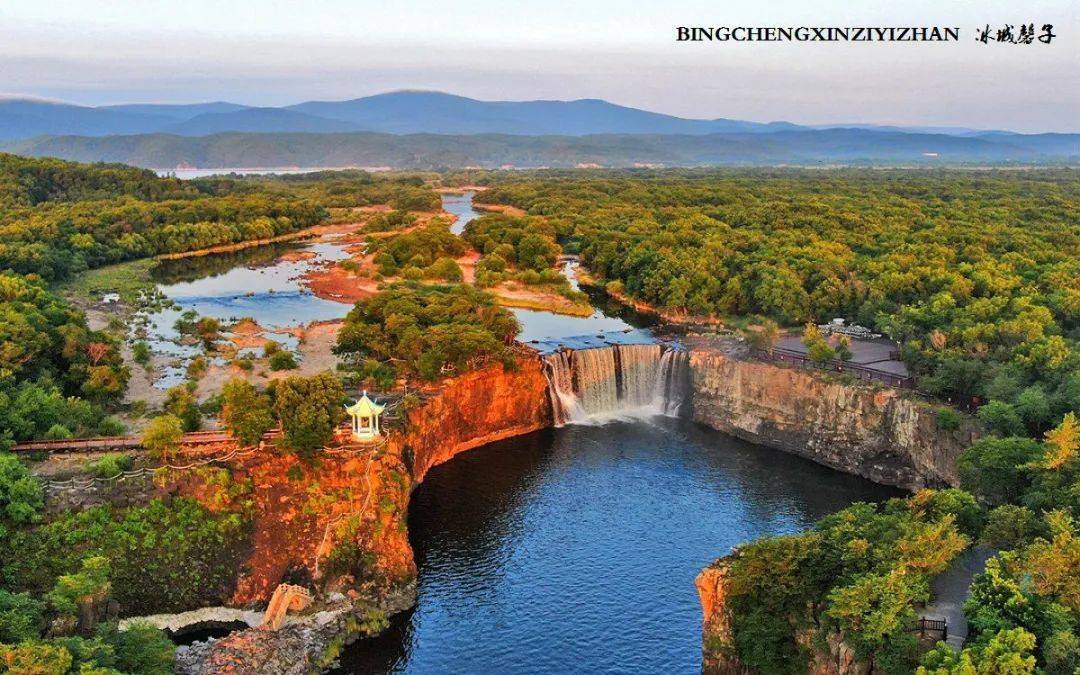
x,y
308,644
718,657
475,409
880,433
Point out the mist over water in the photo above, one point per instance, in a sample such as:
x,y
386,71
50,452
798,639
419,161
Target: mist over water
x,y
575,549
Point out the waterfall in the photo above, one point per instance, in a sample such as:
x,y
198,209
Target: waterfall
x,y
672,390
616,381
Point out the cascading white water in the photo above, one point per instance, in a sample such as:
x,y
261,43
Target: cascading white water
x,y
616,381
672,382
559,370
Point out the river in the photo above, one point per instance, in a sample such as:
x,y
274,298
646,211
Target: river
x,y
265,284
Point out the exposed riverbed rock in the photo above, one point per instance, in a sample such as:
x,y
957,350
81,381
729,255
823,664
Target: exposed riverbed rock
x,y
882,434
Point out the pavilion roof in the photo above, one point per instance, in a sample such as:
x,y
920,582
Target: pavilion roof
x,y
365,407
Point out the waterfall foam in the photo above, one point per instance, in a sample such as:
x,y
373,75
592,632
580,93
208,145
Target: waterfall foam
x,y
637,380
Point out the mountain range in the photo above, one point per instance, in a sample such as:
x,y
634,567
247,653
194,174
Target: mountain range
x,y
401,112
418,129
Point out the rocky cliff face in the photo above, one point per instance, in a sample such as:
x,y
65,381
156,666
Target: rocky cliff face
x,y
307,513
833,657
859,428
475,409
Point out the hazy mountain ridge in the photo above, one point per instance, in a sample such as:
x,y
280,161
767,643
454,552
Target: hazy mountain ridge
x,y
402,112
424,151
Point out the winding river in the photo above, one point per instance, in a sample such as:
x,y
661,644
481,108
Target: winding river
x,y
568,550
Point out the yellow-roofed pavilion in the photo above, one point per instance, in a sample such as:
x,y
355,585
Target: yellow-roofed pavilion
x,y
365,418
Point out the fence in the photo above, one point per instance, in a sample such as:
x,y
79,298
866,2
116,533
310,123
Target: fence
x,y
113,443
927,627
858,370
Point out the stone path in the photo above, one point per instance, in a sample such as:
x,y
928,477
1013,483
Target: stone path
x,y
950,590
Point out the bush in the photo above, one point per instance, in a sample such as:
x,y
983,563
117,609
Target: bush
x,y
21,617
245,412
21,496
282,360
141,648
35,658
163,435
91,581
140,352
58,432
1009,526
180,402
197,367
992,468
270,347
309,409
111,465
445,269
948,419
1002,419
111,426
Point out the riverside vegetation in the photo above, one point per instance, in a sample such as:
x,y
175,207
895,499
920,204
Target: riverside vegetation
x,y
976,274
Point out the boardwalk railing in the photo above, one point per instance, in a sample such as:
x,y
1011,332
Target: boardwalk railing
x,y
113,443
927,627
863,372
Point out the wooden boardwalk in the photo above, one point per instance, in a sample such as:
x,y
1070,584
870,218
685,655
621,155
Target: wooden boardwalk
x,y
116,443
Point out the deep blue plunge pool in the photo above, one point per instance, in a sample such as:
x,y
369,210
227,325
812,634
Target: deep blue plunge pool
x,y
575,549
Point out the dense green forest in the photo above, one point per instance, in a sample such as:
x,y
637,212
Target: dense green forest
x,y
977,275
519,249
414,330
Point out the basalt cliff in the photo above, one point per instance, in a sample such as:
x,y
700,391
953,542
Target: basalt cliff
x,y
880,433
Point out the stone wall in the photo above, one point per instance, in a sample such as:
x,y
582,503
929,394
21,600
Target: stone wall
x,y
882,434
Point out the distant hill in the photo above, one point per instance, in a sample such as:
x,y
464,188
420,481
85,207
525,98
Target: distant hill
x,y
177,111
423,151
258,120
413,112
401,112
23,118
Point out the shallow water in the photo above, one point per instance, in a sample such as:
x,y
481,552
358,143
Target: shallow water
x,y
460,206
257,283
575,549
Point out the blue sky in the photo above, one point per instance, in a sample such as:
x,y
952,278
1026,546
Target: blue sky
x,y
273,52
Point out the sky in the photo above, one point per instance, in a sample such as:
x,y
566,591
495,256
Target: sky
x,y
275,52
